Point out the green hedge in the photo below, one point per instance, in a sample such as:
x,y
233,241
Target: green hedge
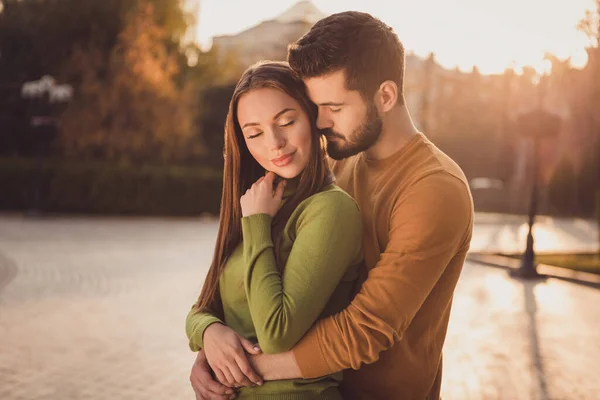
x,y
97,188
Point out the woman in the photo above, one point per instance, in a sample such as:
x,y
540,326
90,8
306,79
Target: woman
x,y
287,253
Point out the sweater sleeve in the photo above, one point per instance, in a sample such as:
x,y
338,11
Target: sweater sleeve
x,y
285,303
195,325
428,227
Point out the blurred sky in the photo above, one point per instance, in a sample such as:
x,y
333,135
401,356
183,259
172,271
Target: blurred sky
x,y
490,34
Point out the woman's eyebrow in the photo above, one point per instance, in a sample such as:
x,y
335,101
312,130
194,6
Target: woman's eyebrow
x,y
279,114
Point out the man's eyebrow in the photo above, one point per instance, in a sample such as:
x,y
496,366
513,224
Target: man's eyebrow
x,y
279,114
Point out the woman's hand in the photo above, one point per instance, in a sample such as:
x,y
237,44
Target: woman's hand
x,y
226,352
260,198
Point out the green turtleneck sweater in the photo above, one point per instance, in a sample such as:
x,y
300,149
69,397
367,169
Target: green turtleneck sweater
x,y
321,253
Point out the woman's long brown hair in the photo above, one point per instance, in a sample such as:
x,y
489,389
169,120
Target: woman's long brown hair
x,y
242,170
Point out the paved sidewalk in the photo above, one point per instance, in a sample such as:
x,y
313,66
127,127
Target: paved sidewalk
x,y
94,308
518,340
508,233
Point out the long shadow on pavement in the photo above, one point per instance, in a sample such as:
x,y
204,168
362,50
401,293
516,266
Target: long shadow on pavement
x,y
531,310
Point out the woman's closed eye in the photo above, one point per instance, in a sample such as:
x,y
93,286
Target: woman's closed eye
x,y
252,136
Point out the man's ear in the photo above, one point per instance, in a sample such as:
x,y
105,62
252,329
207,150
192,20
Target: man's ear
x,y
386,96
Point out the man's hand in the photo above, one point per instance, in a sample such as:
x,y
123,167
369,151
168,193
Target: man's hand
x,y
205,387
226,352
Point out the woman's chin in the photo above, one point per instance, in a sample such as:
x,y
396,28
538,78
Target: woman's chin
x,y
288,176
288,173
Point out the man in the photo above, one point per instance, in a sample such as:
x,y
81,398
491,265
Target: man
x,y
417,212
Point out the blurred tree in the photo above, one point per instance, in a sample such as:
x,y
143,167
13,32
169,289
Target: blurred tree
x,y
129,107
216,101
38,36
590,25
505,154
428,71
562,187
588,179
83,43
467,119
589,176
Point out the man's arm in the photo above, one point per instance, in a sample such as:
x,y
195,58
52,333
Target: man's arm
x,y
205,387
428,227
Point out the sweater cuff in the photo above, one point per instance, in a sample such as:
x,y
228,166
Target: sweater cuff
x,y
197,337
256,234
309,356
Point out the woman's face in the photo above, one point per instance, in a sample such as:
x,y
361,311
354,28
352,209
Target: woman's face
x,y
276,130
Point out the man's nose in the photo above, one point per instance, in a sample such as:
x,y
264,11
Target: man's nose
x,y
323,121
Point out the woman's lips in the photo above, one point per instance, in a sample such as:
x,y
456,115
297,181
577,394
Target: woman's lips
x,y
284,160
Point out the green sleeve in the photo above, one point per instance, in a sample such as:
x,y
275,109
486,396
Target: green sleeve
x,y
195,325
284,305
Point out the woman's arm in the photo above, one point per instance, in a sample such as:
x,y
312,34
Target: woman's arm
x,y
195,325
226,350
284,305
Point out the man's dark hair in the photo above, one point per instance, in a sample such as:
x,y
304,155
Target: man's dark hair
x,y
367,49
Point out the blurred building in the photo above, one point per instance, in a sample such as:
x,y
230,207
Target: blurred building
x,y
269,39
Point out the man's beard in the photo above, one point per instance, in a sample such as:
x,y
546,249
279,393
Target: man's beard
x,y
360,140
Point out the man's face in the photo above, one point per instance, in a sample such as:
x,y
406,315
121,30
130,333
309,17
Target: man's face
x,y
349,124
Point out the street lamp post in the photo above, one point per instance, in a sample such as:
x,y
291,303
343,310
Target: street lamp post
x,y
535,125
45,92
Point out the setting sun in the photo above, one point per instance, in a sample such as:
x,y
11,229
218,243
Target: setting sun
x,y
487,34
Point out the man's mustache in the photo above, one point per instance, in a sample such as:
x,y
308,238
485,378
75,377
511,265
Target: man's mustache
x,y
330,133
